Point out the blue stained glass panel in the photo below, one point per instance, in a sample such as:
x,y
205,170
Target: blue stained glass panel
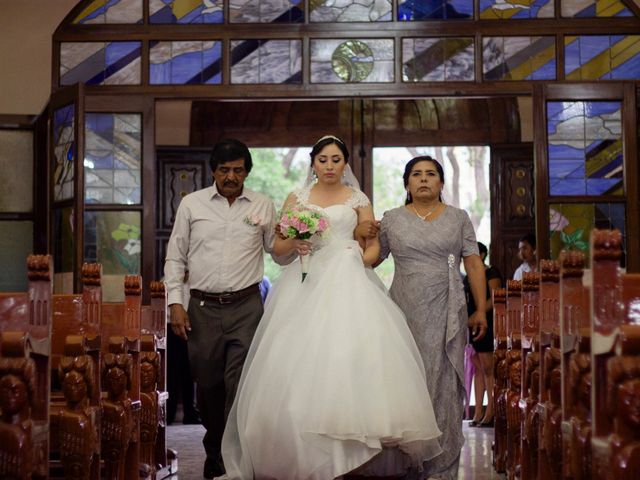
x,y
181,12
113,157
63,152
585,148
185,63
96,63
602,57
412,10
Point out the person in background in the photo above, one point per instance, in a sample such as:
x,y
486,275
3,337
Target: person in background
x,y
482,358
526,253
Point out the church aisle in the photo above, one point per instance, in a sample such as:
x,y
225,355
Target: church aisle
x,y
475,461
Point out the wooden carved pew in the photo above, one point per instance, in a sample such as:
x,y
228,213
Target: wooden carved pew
x,y
514,364
75,406
120,407
607,317
500,373
153,384
575,342
549,434
531,379
623,387
25,328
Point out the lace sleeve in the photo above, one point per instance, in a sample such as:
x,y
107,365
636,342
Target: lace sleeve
x,y
358,200
302,195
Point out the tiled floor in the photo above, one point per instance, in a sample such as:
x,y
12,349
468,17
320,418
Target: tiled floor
x,y
475,461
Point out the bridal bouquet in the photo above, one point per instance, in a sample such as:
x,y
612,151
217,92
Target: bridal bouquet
x,y
303,223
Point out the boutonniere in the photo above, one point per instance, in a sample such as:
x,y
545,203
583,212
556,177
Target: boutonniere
x,y
252,220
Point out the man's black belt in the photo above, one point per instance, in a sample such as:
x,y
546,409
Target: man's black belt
x,y
226,298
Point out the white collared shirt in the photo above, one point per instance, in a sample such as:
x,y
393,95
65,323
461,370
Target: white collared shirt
x,y
220,244
523,268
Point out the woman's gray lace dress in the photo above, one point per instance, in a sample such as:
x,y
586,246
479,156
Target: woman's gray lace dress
x,y
427,286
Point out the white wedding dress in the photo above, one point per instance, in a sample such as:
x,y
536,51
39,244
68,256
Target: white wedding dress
x,y
333,377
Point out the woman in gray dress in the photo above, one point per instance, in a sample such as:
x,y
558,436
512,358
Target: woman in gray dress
x,y
428,239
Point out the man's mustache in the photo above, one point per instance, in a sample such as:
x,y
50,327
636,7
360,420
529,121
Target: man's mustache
x,y
229,183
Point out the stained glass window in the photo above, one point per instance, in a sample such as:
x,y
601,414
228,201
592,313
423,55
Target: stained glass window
x,y
410,10
266,11
113,153
602,57
516,9
352,61
266,61
63,152
519,58
16,163
594,8
438,59
185,12
185,63
98,63
571,224
111,11
350,11
585,148
113,239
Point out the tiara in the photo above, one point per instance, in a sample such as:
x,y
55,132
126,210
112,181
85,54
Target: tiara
x,y
332,137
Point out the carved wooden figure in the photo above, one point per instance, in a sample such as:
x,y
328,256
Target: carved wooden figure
x,y
529,414
549,359
154,453
575,339
76,346
78,421
117,412
17,395
501,375
25,347
120,422
514,362
151,407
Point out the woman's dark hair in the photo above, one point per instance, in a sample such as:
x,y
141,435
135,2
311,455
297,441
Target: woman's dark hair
x,y
229,150
409,166
482,248
328,140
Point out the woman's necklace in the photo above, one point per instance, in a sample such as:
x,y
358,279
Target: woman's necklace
x,y
424,217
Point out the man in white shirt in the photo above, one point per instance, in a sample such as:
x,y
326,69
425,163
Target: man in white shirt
x,y
527,253
219,236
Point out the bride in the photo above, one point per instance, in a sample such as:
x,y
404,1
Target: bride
x,y
333,382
